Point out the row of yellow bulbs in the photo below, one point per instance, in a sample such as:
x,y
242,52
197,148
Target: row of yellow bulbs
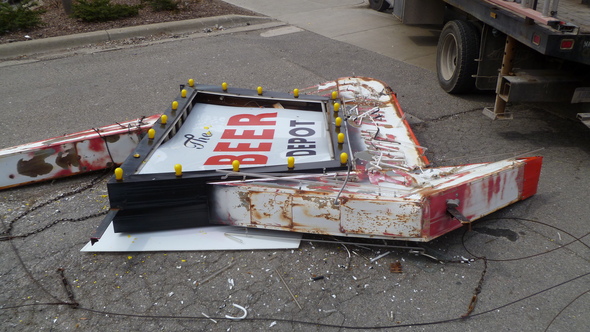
x,y
236,163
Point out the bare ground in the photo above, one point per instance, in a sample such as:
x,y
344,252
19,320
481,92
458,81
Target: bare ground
x,y
58,23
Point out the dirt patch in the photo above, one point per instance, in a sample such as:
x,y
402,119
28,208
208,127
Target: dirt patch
x,y
57,23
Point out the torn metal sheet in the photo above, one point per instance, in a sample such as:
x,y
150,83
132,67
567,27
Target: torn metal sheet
x,y
72,154
192,239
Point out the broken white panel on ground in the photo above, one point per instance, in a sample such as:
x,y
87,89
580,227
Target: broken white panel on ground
x,y
195,239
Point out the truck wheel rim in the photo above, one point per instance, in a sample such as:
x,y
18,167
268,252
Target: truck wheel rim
x,y
448,58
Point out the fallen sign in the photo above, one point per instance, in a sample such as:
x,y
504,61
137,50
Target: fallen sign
x,y
340,160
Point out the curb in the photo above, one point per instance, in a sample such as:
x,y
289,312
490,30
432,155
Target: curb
x,y
58,43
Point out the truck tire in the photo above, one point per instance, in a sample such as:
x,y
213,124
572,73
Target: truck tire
x,y
456,54
379,5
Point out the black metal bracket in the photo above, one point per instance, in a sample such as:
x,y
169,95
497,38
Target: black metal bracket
x,y
452,205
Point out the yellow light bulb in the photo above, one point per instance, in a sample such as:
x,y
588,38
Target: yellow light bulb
x,y
174,105
183,93
164,119
341,138
224,86
336,107
191,82
291,162
236,165
178,169
296,93
151,133
259,90
334,94
343,158
338,121
119,174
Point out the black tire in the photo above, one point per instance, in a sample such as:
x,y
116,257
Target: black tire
x,y
379,5
456,54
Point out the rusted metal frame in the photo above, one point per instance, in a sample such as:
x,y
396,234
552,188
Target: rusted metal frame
x,y
266,178
445,192
499,111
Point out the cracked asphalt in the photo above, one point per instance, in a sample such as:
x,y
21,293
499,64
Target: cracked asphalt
x,y
48,284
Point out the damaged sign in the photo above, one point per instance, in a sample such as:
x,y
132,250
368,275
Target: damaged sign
x,y
341,160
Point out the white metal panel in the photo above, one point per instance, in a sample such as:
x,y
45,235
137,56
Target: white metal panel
x,y
491,194
316,214
271,208
398,219
229,204
193,239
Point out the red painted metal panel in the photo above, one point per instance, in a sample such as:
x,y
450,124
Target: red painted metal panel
x,y
71,154
532,172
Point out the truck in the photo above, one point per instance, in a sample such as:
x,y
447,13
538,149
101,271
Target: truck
x,y
525,50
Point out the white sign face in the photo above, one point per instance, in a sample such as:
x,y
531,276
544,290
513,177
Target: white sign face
x,y
213,136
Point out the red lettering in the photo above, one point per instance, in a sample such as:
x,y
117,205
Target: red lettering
x,y
245,159
225,146
252,119
248,134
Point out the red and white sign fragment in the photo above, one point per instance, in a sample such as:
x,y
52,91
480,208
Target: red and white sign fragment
x,y
81,152
389,192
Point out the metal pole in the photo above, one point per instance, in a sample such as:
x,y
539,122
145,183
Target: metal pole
x,y
507,62
546,5
554,8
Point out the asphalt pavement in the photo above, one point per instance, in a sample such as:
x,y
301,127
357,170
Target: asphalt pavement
x,y
534,275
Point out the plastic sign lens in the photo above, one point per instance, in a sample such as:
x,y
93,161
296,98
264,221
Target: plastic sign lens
x,y
296,93
183,93
536,39
566,44
224,86
191,82
174,105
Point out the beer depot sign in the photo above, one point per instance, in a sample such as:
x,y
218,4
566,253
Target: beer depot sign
x,y
213,136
